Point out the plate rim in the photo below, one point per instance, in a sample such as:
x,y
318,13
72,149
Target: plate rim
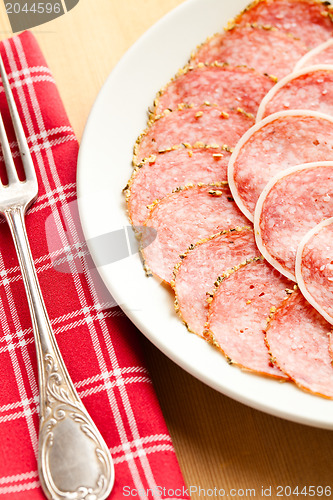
x,y
83,190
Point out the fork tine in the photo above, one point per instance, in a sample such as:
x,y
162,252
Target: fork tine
x,y
7,154
28,165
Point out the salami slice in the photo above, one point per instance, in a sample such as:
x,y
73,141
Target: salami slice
x,y
197,272
279,141
203,124
309,88
322,54
239,311
291,204
161,174
267,50
183,218
227,86
297,338
309,20
314,268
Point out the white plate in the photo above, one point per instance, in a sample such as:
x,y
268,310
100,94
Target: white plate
x,y
117,118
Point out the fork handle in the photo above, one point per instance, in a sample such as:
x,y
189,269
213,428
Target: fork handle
x,y
73,460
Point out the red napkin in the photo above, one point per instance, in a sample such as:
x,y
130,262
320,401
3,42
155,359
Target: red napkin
x,y
99,344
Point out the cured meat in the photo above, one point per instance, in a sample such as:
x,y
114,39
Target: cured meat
x,y
203,124
322,54
227,86
297,338
309,88
197,272
184,217
309,20
280,141
239,311
314,268
291,204
161,174
267,50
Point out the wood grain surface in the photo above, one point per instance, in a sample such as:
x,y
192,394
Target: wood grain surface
x,y
219,443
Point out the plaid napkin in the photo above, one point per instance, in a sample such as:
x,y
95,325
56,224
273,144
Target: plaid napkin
x,y
100,346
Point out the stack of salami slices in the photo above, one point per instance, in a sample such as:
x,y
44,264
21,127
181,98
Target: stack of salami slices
x,y
234,175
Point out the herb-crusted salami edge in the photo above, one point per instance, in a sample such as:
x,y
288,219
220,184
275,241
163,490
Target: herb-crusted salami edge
x,y
228,28
326,5
195,53
151,160
181,72
197,66
183,257
209,335
289,293
210,294
201,109
217,188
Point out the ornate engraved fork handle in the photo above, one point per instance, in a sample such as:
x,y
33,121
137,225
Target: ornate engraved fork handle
x,y
74,461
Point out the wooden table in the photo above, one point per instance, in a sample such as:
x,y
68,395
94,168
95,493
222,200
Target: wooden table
x,y
219,443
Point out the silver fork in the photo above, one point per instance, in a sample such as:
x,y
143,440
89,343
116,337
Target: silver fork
x,y
73,459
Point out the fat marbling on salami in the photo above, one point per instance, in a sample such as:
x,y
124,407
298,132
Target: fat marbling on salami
x,y
314,268
230,87
238,314
298,339
291,204
200,267
278,142
184,217
160,174
322,54
309,20
204,124
266,49
309,88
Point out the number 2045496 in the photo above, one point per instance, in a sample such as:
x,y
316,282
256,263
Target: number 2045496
x,y
34,8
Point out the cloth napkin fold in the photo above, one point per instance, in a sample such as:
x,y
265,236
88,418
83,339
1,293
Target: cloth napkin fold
x,y
99,344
